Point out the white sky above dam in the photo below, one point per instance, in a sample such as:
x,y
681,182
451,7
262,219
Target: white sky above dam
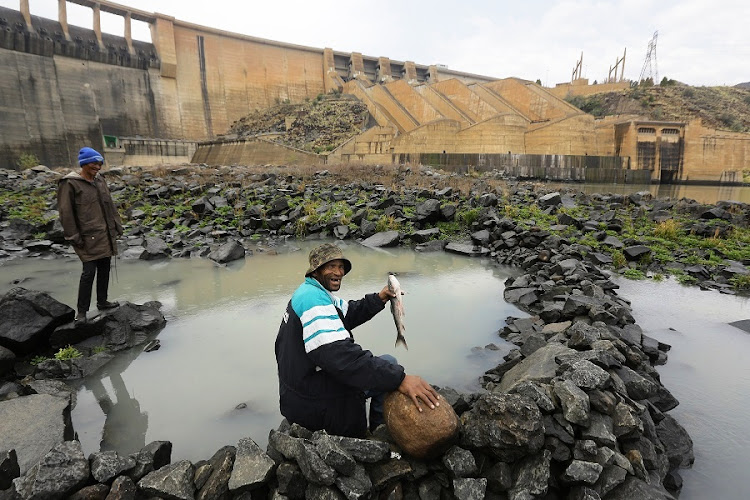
x,y
700,42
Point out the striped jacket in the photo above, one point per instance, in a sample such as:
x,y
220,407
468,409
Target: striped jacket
x,y
323,373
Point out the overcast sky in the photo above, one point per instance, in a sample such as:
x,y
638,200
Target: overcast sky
x,y
699,42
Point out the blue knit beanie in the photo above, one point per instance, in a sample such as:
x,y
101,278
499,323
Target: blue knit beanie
x,y
89,155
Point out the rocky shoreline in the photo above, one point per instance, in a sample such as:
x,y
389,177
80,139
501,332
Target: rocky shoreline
x,y
577,411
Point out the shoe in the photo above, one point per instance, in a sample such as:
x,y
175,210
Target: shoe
x,y
106,305
80,318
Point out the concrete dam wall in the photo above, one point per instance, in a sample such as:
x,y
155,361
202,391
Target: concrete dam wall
x,y
63,87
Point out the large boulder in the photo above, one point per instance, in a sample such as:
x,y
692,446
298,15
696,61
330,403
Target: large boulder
x,y
33,424
421,434
383,239
155,248
27,317
120,328
228,252
509,426
60,472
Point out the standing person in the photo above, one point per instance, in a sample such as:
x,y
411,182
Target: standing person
x,y
323,373
91,223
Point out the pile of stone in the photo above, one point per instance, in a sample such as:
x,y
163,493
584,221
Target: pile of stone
x,y
232,211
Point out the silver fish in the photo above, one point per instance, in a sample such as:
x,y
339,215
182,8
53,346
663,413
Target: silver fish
x,y
397,309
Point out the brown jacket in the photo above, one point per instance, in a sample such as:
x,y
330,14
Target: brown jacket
x,y
88,216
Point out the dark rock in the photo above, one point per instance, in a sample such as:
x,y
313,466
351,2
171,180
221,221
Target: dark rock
x,y
228,252
507,425
635,252
155,248
94,492
363,450
217,484
33,425
313,467
252,467
7,360
575,402
469,488
428,211
388,472
174,482
587,375
383,239
61,472
626,422
9,469
633,488
582,472
467,249
676,441
601,430
321,492
532,477
27,317
341,232
107,465
550,200
499,477
356,486
425,235
611,477
541,366
638,387
291,482
151,457
334,455
123,488
459,462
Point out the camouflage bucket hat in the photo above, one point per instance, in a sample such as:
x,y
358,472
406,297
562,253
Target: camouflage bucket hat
x,y
326,253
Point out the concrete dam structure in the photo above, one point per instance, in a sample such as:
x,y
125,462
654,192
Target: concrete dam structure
x,y
63,87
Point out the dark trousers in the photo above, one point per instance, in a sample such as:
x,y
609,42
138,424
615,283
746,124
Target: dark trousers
x,y
377,400
100,269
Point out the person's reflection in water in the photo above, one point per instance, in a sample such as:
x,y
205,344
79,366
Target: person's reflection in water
x,y
125,425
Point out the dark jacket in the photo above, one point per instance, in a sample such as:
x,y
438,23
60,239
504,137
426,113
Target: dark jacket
x,y
323,373
88,216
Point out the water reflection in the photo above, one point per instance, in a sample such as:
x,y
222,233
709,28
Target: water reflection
x,y
125,424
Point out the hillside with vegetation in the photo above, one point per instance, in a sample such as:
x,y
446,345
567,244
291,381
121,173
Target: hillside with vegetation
x,y
722,108
317,126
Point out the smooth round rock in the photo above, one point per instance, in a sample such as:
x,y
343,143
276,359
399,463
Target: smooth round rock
x,y
425,434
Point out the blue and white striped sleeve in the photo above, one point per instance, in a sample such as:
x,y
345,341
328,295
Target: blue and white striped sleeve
x,y
321,323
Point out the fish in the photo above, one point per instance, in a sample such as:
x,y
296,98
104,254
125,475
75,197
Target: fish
x,y
397,309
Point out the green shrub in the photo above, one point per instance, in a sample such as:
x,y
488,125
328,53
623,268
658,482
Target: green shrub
x,y
36,360
618,259
69,352
27,160
634,274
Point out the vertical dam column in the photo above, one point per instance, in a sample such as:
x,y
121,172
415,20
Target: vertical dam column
x,y
384,74
62,17
128,34
26,12
98,25
162,36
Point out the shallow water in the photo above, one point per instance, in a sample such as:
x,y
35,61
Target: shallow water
x,y
217,348
708,373
702,194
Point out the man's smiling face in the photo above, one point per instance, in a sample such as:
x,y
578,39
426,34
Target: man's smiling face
x,y
330,274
